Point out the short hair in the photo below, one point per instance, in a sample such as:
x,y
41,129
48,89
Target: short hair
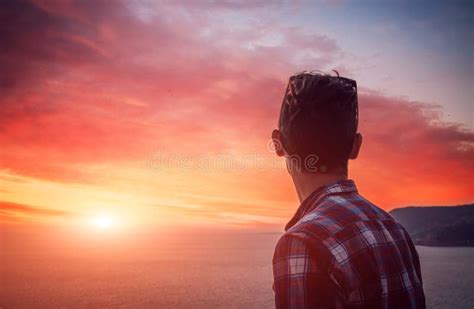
x,y
319,117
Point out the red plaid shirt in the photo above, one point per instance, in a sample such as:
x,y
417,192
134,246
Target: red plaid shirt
x,y
341,251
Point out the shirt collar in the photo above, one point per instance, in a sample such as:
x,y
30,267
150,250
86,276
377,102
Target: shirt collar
x,y
312,201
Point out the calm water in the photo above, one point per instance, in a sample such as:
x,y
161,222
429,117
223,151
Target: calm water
x,y
219,270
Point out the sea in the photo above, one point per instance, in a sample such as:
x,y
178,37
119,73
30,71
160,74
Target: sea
x,y
230,269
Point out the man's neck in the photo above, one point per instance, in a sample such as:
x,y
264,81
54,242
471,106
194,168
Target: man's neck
x,y
307,183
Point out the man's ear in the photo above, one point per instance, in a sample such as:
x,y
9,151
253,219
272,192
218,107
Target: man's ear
x,y
356,146
277,143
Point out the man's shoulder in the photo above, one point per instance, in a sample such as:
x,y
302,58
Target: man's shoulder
x,y
357,243
298,245
335,214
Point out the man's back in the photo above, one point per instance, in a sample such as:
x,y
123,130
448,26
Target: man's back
x,y
340,250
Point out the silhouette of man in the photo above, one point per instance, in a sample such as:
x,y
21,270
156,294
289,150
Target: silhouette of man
x,y
339,250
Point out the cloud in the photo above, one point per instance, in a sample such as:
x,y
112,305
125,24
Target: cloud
x,y
94,82
9,209
38,43
410,156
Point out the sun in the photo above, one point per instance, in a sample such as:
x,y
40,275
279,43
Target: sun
x,y
103,222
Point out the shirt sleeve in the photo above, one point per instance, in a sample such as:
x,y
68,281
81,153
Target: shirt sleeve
x,y
301,278
415,256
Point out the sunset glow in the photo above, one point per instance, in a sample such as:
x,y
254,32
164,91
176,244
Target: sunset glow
x,y
138,169
162,113
103,222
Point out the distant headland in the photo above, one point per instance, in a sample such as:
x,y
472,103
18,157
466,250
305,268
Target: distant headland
x,y
438,225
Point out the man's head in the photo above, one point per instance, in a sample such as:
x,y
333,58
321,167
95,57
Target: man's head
x,y
317,129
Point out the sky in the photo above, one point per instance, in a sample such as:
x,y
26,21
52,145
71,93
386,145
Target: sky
x,y
154,113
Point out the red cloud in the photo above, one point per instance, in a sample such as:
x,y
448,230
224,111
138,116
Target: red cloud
x,y
9,209
410,156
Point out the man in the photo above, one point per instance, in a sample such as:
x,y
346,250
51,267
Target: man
x,y
339,249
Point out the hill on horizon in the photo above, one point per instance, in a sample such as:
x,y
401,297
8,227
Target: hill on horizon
x,y
438,225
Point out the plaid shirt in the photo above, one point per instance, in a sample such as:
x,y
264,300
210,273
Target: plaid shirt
x,y
341,251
